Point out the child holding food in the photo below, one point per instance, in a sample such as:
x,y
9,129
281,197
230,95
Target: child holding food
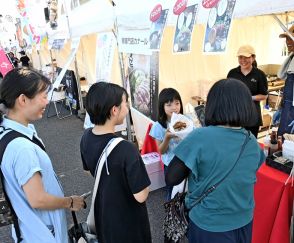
x,y
169,102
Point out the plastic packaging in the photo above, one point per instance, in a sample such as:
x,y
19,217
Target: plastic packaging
x,y
288,150
266,143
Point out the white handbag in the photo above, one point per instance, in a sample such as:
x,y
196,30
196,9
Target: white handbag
x,y
103,158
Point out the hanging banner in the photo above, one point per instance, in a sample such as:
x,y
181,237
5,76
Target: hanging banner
x,y
143,82
184,28
218,26
56,44
105,47
135,42
158,18
28,28
5,65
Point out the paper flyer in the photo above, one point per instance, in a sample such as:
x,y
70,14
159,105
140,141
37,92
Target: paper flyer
x,y
218,26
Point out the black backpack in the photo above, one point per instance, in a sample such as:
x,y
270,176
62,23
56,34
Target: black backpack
x,y
7,214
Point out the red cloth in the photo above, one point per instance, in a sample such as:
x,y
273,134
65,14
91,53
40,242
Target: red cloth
x,y
273,206
149,144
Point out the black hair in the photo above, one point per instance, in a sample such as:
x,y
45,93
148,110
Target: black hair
x,y
254,63
21,81
82,78
101,97
229,102
165,96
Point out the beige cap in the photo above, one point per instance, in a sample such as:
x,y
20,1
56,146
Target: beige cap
x,y
291,30
246,51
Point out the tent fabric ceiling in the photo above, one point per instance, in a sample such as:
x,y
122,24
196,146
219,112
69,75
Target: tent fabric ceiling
x,y
132,14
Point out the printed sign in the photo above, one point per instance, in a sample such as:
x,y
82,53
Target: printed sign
x,y
156,30
209,3
184,28
218,26
143,83
136,42
5,65
104,56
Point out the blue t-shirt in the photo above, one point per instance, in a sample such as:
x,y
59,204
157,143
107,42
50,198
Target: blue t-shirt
x,y
158,132
21,160
210,152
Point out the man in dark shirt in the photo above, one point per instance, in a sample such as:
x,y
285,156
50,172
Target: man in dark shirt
x,y
24,59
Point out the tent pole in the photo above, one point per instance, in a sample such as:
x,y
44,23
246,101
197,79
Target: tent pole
x,y
81,111
40,61
283,26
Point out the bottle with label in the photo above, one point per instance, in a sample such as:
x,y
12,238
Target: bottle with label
x,y
280,142
273,142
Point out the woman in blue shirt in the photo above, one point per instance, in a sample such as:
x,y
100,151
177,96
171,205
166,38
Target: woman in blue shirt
x,y
207,154
29,179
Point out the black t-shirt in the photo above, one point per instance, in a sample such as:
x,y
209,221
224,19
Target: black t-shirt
x,y
256,82
119,218
25,61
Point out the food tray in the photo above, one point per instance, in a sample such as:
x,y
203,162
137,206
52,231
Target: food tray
x,y
277,161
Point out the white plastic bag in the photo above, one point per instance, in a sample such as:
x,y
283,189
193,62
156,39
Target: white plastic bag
x,y
179,188
182,133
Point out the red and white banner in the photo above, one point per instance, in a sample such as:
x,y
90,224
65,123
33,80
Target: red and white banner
x,y
5,65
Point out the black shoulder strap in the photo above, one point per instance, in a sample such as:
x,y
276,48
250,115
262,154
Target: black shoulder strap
x,y
5,140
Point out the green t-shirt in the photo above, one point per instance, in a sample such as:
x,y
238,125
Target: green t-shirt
x,y
210,152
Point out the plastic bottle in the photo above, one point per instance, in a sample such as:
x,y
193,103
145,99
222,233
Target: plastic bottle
x,y
266,143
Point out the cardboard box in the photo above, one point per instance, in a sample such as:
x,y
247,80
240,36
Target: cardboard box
x,y
154,169
152,162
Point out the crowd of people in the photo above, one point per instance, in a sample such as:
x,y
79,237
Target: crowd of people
x,y
225,150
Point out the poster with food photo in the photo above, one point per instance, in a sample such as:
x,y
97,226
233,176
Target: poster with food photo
x,y
218,26
143,83
156,31
184,28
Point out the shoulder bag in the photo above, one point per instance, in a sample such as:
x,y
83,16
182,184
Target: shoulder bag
x,y
85,232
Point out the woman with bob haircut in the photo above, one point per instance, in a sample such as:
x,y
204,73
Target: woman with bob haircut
x,y
120,211
30,182
222,152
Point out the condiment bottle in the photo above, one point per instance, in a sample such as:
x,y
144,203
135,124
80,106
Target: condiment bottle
x,y
273,142
280,142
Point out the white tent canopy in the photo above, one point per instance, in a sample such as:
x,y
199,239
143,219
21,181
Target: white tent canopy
x,y
133,14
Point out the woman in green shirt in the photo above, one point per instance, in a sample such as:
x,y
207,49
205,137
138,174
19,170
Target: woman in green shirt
x,y
207,155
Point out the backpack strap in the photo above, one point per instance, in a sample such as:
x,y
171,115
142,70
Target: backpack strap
x,y
5,140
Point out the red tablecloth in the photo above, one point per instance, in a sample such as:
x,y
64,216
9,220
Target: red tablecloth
x,y
273,206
